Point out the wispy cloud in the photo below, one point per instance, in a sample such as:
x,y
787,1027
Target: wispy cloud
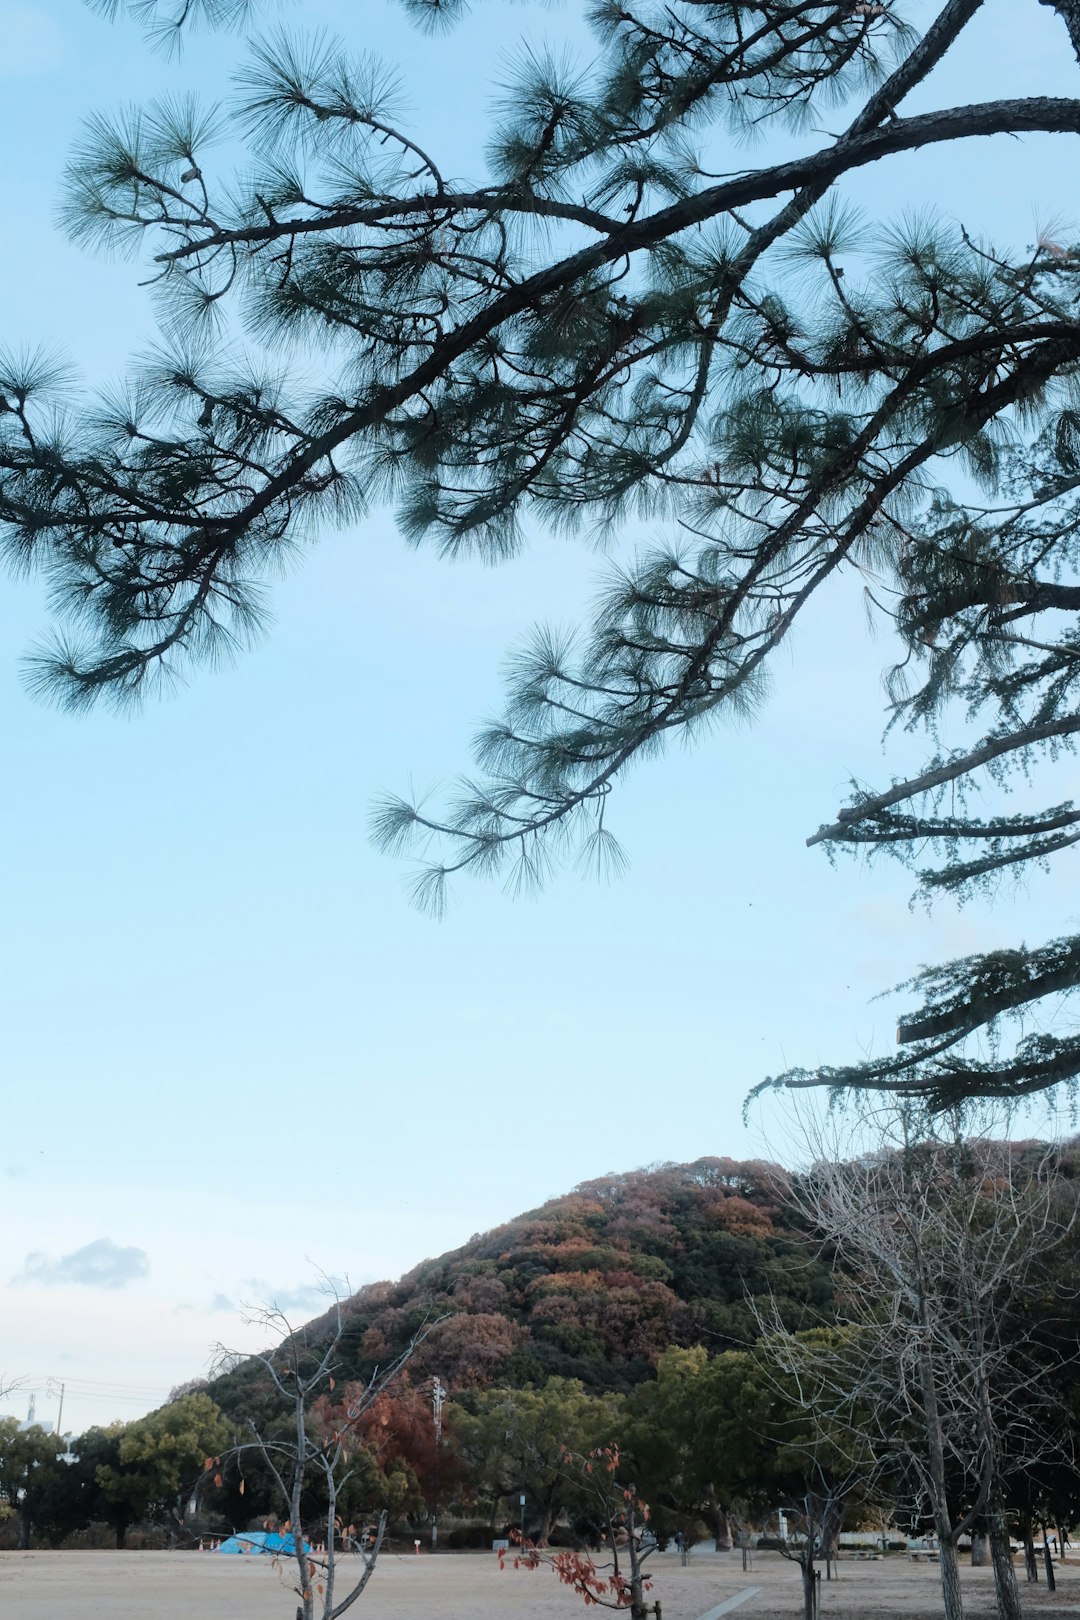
x,y
313,1297
101,1264
305,1298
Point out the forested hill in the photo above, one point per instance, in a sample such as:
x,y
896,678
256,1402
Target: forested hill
x,y
593,1285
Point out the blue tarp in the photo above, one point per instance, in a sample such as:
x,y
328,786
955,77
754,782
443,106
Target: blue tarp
x,y
259,1541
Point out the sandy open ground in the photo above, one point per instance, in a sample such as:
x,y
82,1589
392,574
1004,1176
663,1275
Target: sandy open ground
x,y
470,1586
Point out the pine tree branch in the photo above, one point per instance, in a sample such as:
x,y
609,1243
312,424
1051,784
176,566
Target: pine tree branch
x,y
1025,1077
1039,596
1000,982
957,874
1029,115
944,1083
960,765
1038,113
679,704
1069,12
422,205
885,829
942,33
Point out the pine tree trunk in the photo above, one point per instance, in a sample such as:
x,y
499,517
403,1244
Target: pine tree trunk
x,y
980,1552
24,1528
1031,1563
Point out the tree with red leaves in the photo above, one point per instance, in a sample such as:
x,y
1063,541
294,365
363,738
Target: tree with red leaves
x,y
395,1429
619,1583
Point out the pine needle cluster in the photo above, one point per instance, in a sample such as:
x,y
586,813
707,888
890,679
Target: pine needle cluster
x,y
604,326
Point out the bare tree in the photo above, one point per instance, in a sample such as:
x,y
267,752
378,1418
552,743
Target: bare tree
x,y
938,1236
317,1460
824,1459
816,1516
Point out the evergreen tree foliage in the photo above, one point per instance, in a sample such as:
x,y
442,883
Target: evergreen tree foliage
x,y
152,1466
515,1442
28,1459
603,327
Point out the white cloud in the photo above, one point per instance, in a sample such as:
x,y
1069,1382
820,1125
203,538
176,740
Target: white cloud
x,y
101,1264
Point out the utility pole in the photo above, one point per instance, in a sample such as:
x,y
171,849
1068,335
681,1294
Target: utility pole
x,y
438,1395
60,1416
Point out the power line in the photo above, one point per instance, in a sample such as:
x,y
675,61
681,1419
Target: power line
x,y
96,1390
95,1383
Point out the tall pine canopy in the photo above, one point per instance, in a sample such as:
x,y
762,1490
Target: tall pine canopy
x,y
605,326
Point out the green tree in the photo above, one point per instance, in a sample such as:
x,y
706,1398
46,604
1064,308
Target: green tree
x,y
597,328
728,1438
678,1431
776,1454
515,1443
67,1498
99,1448
28,1457
153,1466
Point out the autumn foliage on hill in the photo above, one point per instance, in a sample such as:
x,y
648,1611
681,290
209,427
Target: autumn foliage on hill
x,y
651,1316
594,1285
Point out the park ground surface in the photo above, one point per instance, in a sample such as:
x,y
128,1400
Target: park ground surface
x,y
470,1586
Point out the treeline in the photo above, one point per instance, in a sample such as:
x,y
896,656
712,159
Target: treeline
x,y
907,1328
119,1476
589,1291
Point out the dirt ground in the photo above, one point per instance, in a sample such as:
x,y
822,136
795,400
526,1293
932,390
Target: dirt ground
x,y
470,1586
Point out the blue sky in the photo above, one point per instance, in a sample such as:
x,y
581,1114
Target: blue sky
x,y
231,1052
